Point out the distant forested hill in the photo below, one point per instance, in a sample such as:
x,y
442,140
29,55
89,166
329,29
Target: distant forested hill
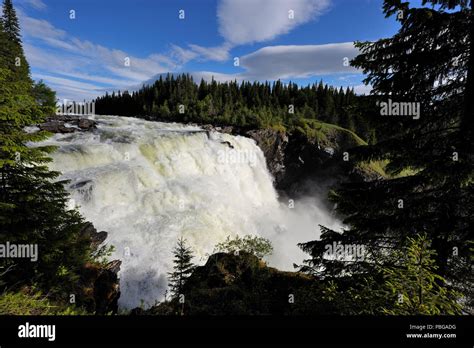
x,y
246,104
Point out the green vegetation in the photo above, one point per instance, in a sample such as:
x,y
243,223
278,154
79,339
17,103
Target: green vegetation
x,y
182,268
258,246
32,200
410,285
415,284
13,58
29,302
33,205
43,95
324,132
333,136
409,288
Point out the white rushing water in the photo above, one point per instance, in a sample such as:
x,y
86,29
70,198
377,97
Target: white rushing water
x,y
149,183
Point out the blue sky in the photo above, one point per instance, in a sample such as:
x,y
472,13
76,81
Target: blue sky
x,y
84,56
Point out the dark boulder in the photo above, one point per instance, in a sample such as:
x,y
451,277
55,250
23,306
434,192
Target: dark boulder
x,y
107,289
55,126
242,284
98,287
96,238
86,124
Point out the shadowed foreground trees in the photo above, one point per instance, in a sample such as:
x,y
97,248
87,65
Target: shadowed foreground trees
x,y
429,62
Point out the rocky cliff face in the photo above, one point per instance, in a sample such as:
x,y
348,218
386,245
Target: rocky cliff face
x,y
301,163
274,145
98,287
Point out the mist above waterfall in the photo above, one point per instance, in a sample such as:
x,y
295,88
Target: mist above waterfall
x,y
149,183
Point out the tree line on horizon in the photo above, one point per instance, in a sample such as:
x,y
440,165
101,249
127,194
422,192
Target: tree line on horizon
x,y
246,104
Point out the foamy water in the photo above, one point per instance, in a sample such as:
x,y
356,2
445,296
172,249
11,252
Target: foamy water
x,y
149,183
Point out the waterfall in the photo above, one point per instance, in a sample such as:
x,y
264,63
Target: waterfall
x,y
149,183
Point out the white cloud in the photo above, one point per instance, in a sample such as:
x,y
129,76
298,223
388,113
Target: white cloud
x,y
182,55
39,28
248,21
55,52
217,53
48,59
64,81
70,89
37,4
282,62
362,89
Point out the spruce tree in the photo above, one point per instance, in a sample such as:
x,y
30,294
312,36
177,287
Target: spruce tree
x,y
32,200
413,285
182,269
10,22
11,48
410,286
44,96
430,62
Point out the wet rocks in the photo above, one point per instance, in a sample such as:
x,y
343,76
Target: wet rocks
x,y
56,126
273,143
86,124
67,124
